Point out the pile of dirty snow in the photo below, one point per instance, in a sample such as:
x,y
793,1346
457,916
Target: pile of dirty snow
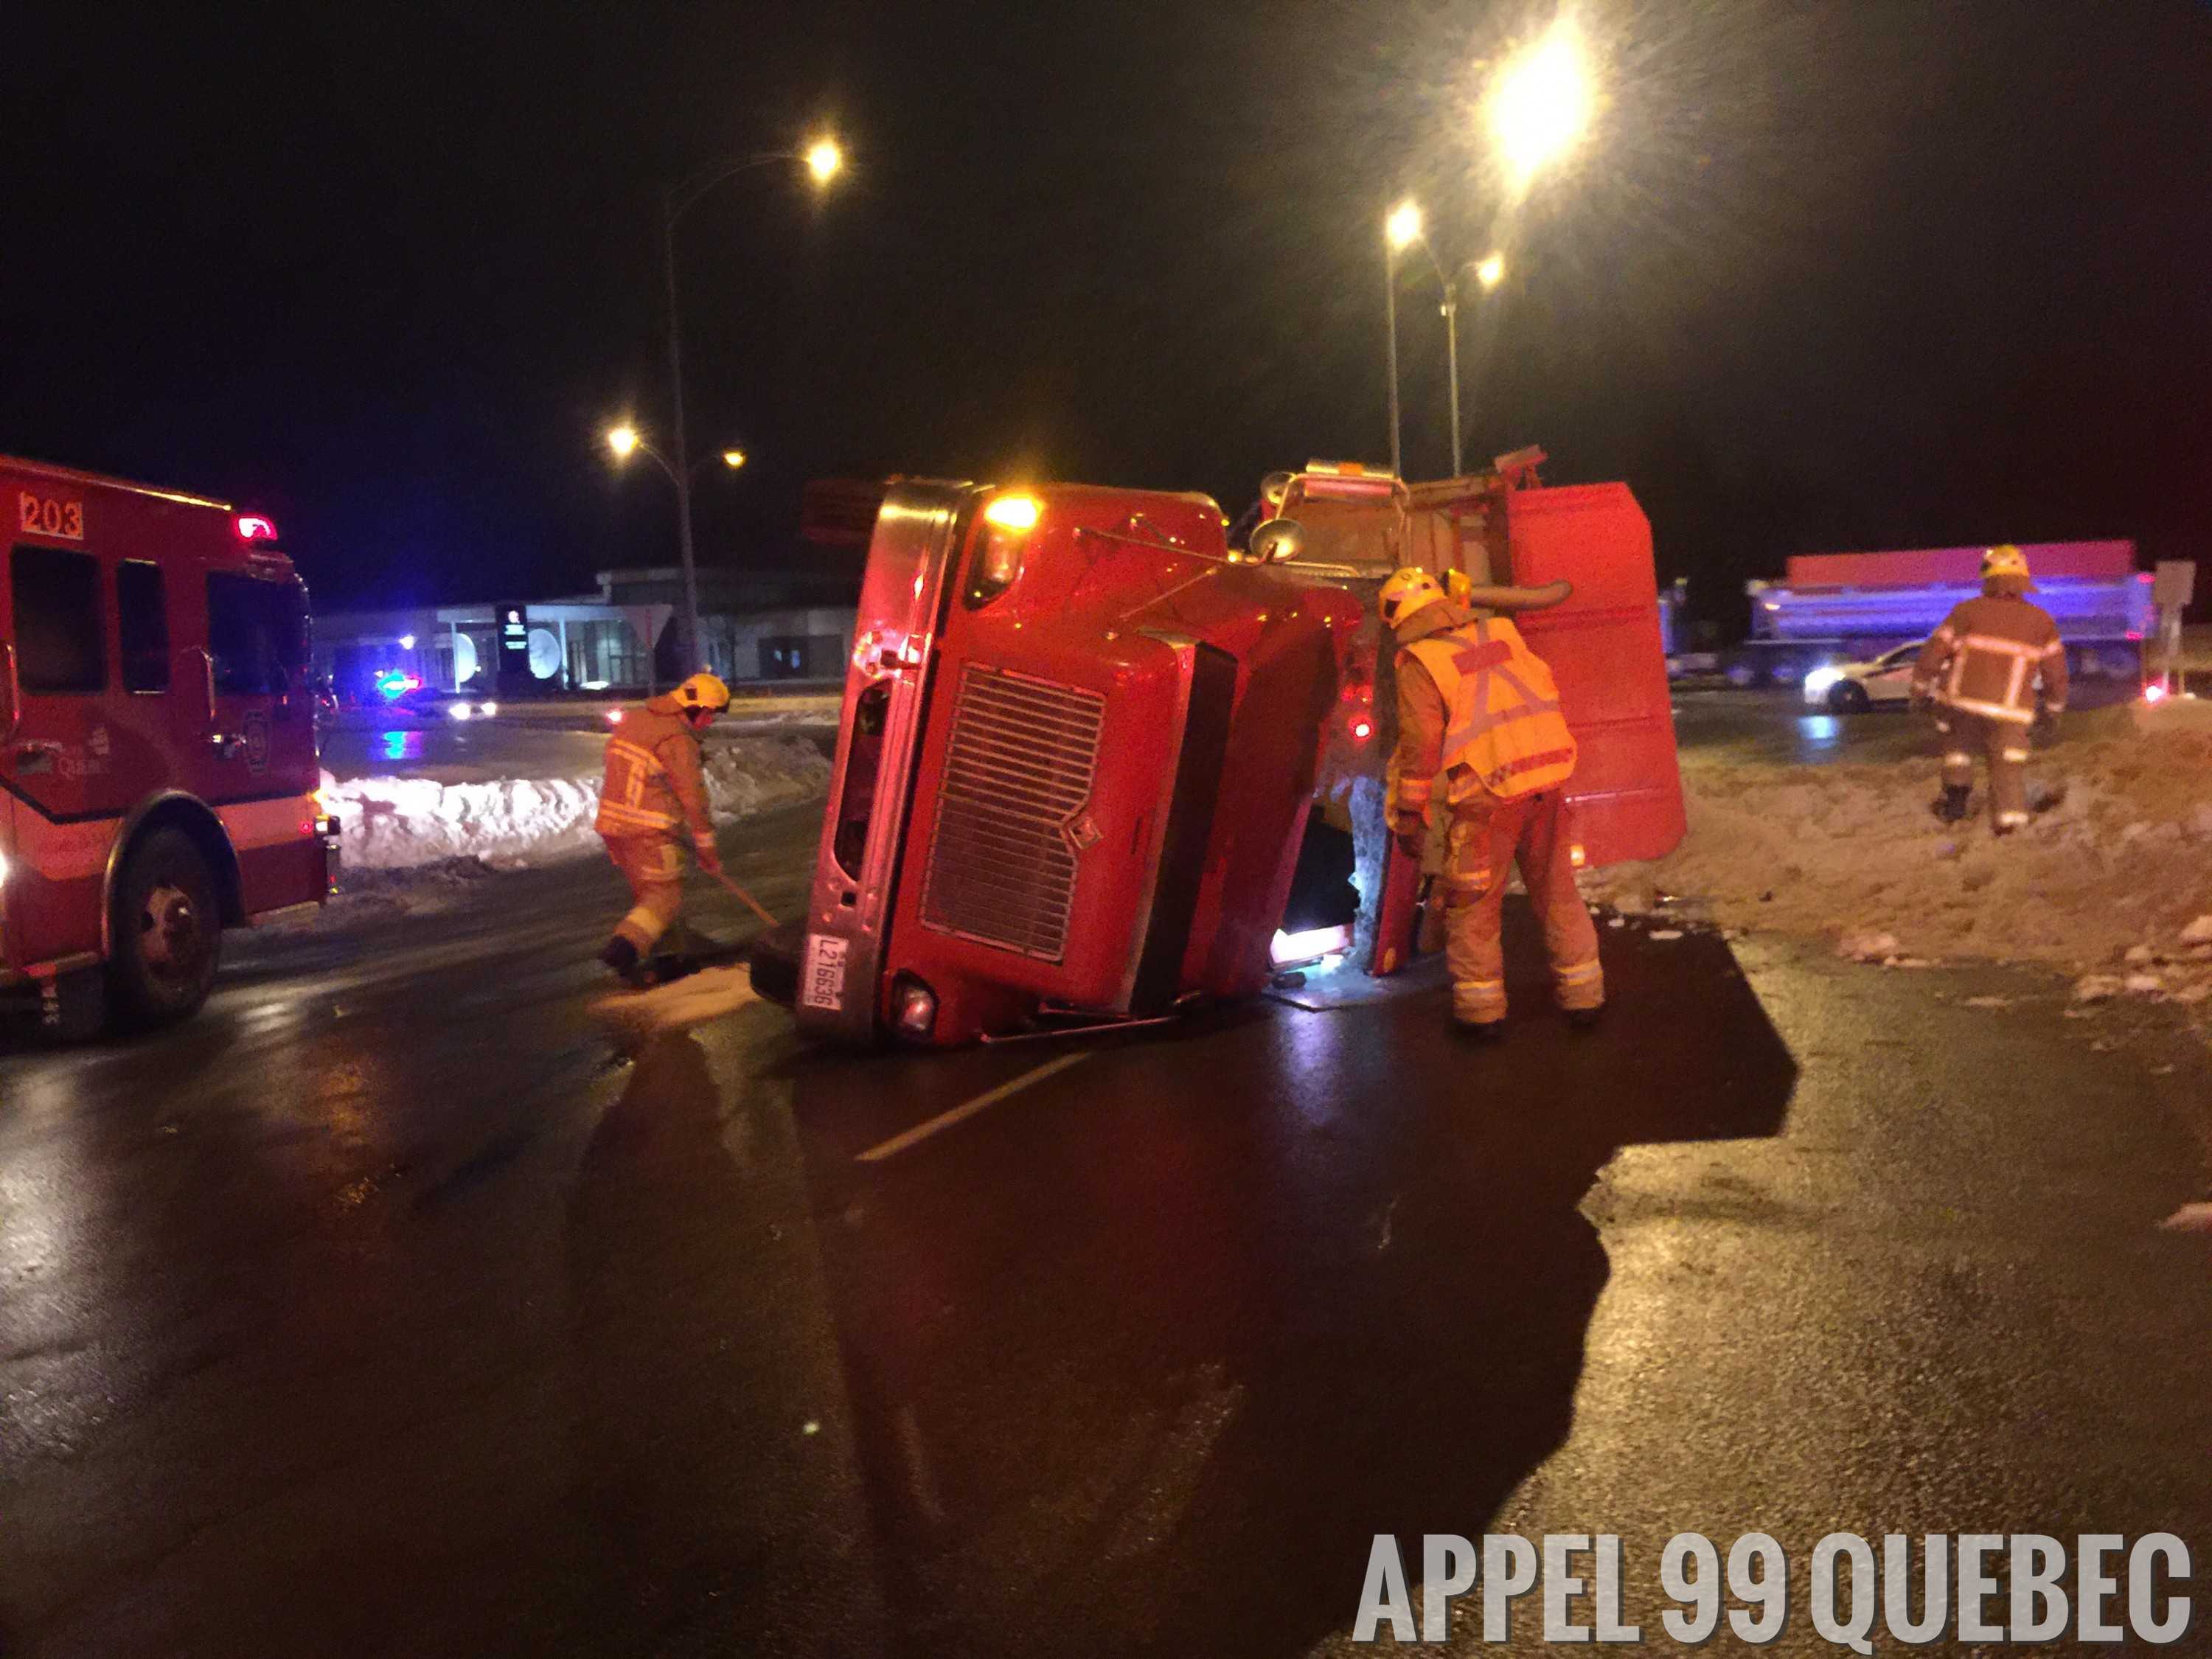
x,y
392,824
2109,877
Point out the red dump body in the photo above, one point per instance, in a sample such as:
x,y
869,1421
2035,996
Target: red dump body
x,y
1604,648
1955,566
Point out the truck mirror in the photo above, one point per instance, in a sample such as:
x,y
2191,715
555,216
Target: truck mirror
x,y
1277,540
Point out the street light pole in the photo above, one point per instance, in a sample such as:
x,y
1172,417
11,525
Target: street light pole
x,y
1451,361
1390,317
824,160
681,471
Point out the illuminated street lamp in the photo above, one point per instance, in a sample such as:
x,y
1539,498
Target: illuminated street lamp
x,y
1403,229
1400,231
733,458
1541,104
824,160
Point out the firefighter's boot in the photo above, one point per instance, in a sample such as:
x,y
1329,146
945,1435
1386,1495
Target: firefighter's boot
x,y
1951,806
622,956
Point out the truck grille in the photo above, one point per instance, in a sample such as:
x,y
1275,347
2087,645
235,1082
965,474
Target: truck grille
x,y
1001,867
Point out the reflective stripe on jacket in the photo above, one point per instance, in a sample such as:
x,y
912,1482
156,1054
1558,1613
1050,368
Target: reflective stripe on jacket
x,y
656,777
1492,723
1989,657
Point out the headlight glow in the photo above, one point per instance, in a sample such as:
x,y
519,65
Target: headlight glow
x,y
1821,679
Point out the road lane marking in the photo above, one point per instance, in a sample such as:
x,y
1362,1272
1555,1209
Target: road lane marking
x,y
966,1109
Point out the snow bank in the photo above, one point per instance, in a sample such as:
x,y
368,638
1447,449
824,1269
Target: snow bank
x,y
392,823
2121,860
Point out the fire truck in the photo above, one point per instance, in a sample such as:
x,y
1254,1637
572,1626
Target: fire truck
x,y
157,743
1095,746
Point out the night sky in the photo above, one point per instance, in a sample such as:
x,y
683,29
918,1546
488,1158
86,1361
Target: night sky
x,y
1824,275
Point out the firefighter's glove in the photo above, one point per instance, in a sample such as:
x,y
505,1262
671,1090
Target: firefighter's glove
x,y
1411,827
2045,727
710,860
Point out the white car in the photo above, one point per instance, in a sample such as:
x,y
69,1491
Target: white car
x,y
1844,688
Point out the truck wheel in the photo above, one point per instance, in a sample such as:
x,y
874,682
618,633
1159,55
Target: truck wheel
x,y
168,930
774,959
1847,697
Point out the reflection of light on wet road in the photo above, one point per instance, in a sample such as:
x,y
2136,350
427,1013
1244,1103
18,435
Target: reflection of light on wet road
x,y
400,745
1819,734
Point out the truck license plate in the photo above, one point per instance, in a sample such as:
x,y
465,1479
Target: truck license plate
x,y
824,980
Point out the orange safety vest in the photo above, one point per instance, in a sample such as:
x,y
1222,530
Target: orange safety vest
x,y
1504,733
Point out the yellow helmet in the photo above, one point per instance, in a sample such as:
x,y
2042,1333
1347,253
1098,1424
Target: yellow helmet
x,y
1405,591
2004,561
702,691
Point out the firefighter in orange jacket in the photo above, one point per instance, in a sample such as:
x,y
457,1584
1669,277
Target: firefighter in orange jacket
x,y
655,793
1478,709
1985,669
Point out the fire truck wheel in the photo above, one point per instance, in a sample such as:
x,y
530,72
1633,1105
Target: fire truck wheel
x,y
168,931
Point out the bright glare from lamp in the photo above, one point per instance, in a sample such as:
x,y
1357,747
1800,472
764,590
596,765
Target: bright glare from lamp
x,y
1542,104
824,160
733,458
1403,226
1491,271
1014,513
406,641
624,441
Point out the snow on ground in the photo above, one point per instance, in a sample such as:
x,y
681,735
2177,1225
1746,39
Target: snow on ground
x,y
403,822
2110,878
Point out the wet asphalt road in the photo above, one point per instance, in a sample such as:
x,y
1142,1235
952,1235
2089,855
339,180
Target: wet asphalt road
x,y
384,1310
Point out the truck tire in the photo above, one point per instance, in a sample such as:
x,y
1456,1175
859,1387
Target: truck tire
x,y
773,960
168,930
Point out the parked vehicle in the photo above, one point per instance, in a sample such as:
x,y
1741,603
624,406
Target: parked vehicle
x,y
1834,608
157,740
1846,688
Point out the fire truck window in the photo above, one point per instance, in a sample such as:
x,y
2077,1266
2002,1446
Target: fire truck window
x,y
256,634
142,620
856,802
57,621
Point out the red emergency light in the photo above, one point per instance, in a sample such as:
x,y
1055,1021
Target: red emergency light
x,y
1362,729
252,528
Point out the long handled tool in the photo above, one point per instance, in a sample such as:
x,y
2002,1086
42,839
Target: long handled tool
x,y
744,898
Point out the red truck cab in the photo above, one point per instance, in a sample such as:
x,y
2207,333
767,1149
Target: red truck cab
x,y
1077,755
157,743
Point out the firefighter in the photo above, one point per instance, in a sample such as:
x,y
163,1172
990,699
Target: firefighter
x,y
1477,707
655,794
1985,669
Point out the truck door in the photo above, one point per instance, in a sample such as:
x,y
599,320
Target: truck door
x,y
259,755
59,763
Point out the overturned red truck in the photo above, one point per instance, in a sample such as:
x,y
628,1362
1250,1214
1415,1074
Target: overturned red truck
x,y
1095,744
